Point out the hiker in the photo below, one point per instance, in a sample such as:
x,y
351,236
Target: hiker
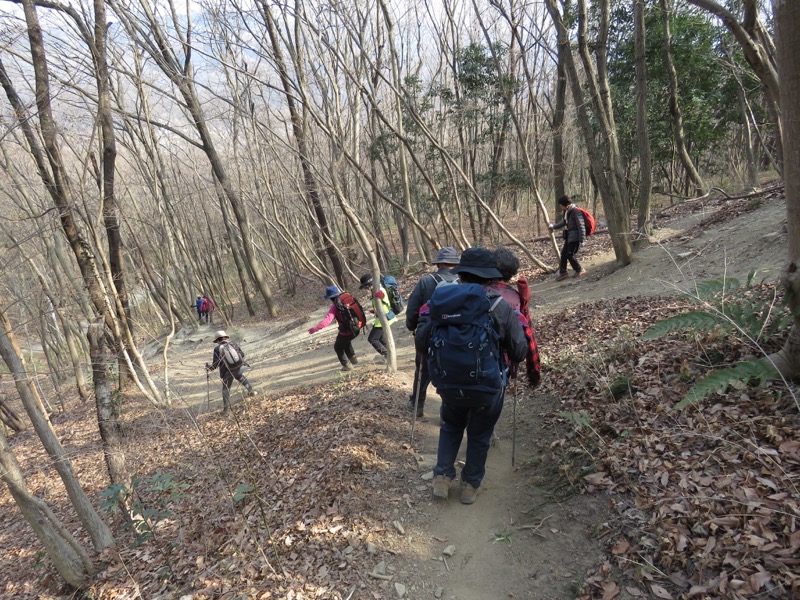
x,y
463,329
230,360
204,310
341,313
376,337
198,304
574,237
518,297
210,306
445,259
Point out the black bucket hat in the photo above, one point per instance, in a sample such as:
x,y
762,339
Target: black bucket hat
x,y
479,262
366,281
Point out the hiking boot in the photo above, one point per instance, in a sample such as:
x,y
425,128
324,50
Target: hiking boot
x,y
580,273
226,410
354,360
346,366
441,486
251,392
561,277
468,493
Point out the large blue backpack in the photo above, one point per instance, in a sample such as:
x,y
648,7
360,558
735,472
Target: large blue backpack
x,y
463,346
396,300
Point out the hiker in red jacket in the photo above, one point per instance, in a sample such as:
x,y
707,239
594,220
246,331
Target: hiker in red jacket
x,y
518,297
574,237
343,346
210,307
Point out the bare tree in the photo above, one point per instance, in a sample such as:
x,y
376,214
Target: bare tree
x,y
11,355
642,130
674,105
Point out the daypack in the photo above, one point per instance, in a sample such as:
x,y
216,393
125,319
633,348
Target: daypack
x,y
204,305
441,281
463,346
396,301
588,220
231,356
351,313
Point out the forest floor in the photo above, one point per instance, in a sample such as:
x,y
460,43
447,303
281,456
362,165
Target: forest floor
x,y
314,488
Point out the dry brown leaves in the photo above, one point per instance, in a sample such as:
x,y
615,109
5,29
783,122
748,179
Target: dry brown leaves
x,y
283,498
708,497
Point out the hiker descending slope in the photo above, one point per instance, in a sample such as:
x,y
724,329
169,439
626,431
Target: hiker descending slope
x,y
376,335
444,261
229,358
349,315
198,304
464,330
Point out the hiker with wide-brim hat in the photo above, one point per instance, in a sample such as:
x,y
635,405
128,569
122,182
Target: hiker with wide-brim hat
x,y
469,377
229,358
444,261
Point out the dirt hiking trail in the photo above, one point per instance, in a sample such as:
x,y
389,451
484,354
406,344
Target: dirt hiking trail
x,y
520,539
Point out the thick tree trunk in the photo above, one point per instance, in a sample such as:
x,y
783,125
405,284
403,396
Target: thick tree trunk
x,y
107,409
787,20
94,525
559,109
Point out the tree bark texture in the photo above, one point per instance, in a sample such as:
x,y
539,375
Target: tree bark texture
x,y
642,131
70,559
11,354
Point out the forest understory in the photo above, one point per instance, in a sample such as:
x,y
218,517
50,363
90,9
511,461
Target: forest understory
x,y
313,489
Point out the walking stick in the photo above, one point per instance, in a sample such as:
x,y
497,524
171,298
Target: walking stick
x,y
208,392
514,427
418,376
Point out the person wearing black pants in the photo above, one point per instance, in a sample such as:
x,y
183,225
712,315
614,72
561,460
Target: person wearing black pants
x,y
444,261
376,337
574,237
343,346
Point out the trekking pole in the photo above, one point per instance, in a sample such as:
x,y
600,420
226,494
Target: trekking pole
x,y
418,375
208,391
514,427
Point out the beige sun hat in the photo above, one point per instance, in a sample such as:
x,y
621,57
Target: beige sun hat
x,y
220,335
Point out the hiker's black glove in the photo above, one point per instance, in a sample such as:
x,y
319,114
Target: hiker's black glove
x,y
208,367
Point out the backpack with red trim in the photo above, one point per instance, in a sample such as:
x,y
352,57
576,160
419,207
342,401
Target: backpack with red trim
x,y
518,299
351,313
588,220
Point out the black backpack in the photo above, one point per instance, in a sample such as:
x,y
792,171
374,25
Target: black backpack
x,y
463,346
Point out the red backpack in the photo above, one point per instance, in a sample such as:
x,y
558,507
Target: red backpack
x,y
351,314
588,220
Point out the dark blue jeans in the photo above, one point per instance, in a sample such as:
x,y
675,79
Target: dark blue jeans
x,y
478,420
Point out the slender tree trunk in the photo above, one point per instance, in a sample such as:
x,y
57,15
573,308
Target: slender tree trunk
x,y
94,525
299,132
642,130
674,105
70,559
559,109
10,418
